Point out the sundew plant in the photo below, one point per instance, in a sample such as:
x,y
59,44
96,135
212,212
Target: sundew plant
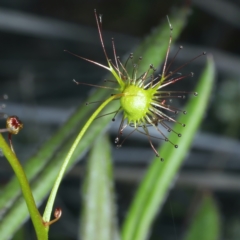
x,y
138,93
142,97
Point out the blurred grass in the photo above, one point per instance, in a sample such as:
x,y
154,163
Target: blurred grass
x,y
154,188
99,220
205,223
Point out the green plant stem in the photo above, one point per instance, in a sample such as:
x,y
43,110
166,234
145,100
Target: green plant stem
x,y
41,230
51,199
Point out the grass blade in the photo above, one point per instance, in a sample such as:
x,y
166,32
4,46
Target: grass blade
x,y
155,185
206,222
98,220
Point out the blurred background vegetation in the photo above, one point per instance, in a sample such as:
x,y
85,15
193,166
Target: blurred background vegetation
x,y
37,76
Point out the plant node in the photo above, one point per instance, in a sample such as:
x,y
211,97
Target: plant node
x,y
57,215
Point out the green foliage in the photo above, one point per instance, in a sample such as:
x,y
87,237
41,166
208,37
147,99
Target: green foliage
x,y
159,177
205,223
43,168
98,220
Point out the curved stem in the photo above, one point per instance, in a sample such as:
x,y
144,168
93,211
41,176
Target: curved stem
x,y
51,199
40,229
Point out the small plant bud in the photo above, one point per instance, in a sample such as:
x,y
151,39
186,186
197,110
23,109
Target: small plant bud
x,y
13,124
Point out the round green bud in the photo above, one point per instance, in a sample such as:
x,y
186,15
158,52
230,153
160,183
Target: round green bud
x,y
135,102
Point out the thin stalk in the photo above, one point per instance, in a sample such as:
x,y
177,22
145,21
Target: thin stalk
x,y
51,199
40,229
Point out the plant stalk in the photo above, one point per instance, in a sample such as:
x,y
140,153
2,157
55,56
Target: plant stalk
x,y
40,229
51,199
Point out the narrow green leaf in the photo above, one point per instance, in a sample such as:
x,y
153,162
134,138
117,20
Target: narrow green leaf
x,y
159,177
98,220
206,222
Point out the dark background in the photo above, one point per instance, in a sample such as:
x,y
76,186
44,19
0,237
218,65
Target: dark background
x,y
37,76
